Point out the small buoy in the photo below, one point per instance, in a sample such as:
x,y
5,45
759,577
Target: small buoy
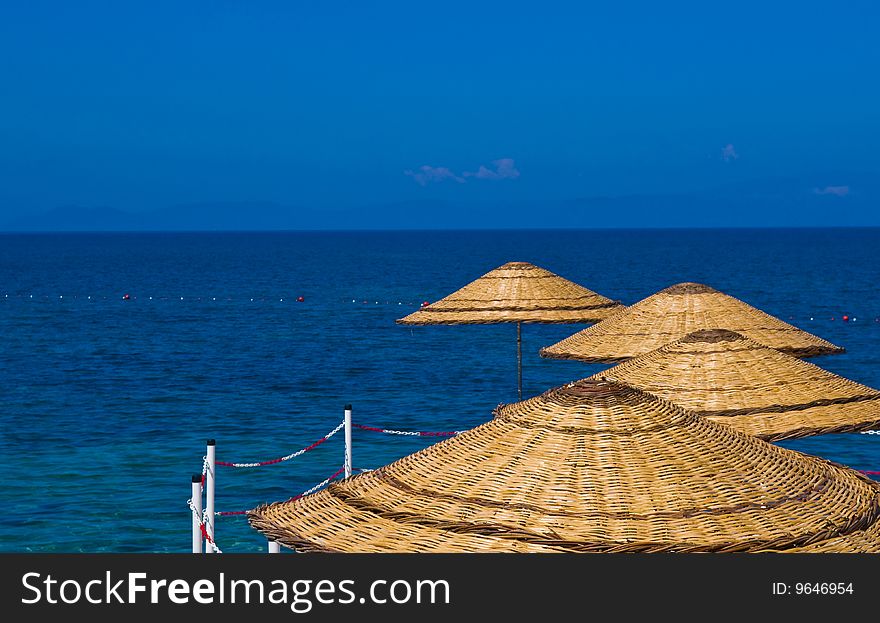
x,y
126,297
846,318
300,299
425,303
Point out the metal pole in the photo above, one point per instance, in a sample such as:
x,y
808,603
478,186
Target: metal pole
x,y
347,463
197,516
210,481
274,547
519,358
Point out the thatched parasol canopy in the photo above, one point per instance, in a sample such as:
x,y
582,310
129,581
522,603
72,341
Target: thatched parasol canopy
x,y
733,380
858,542
516,292
594,466
673,313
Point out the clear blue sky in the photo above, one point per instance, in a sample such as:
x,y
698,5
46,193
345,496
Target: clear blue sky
x,y
138,105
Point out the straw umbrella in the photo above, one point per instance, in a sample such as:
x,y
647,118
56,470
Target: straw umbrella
x,y
593,466
733,380
516,292
674,312
860,541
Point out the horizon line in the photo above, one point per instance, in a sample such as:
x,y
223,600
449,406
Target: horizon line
x,y
435,229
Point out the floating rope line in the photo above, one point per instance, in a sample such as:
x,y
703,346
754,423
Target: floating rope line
x,y
870,432
408,433
293,455
869,472
279,298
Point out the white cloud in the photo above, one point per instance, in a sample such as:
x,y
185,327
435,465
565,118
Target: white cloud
x,y
427,174
837,191
728,153
502,169
505,169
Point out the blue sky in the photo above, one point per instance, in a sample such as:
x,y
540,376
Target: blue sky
x,y
325,104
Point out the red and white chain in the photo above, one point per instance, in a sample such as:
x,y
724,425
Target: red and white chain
x,y
292,455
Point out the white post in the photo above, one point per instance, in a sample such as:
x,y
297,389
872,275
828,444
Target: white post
x,y
197,516
274,547
209,492
347,464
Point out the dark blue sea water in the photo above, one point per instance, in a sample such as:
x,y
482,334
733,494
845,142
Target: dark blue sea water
x,y
106,403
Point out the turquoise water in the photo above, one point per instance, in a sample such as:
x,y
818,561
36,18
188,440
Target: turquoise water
x,y
106,403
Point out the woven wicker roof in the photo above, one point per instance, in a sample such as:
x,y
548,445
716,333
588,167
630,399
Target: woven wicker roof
x,y
733,380
516,292
858,542
676,311
590,467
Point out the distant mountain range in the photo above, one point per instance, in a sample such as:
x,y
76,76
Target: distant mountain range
x,y
224,216
781,203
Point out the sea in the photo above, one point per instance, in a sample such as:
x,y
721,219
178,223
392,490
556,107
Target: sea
x,y
120,354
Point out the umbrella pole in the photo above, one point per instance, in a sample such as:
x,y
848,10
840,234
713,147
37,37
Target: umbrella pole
x,y
519,358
